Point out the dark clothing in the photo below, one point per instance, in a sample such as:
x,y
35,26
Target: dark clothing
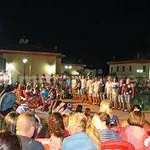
x,y
102,87
30,144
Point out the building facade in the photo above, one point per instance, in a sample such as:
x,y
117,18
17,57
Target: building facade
x,y
139,68
27,64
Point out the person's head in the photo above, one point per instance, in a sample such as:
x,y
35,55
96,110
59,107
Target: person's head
x,y
115,79
96,121
105,118
55,125
128,80
136,107
136,118
87,112
79,108
26,124
65,120
10,122
94,135
9,141
77,123
106,106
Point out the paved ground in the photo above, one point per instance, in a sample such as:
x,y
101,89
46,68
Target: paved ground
x,y
121,114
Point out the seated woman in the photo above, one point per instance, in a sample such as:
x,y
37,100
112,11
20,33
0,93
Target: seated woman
x,y
136,107
10,121
9,141
134,132
55,131
92,130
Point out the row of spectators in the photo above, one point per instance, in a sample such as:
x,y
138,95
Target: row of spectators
x,y
75,130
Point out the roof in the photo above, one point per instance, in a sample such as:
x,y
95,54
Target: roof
x,y
28,49
138,61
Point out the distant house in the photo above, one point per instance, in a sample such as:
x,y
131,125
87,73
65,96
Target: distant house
x,y
130,68
39,61
73,69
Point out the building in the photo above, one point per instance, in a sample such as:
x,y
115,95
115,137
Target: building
x,y
138,68
73,69
25,61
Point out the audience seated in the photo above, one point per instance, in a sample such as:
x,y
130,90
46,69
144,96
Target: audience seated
x,y
79,138
92,131
56,131
26,126
10,121
9,141
136,108
105,132
134,132
106,106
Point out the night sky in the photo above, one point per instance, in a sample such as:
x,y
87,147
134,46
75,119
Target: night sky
x,y
91,32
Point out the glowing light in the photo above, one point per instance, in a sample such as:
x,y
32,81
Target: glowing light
x,y
9,66
68,67
25,60
139,71
50,69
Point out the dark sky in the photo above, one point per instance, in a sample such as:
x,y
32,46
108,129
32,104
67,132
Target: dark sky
x,y
80,29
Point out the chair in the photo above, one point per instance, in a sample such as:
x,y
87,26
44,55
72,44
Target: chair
x,y
119,145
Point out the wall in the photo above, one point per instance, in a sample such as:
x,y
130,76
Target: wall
x,y
37,64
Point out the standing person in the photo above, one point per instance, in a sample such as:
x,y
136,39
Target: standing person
x,y
115,86
83,89
90,89
102,89
121,95
26,127
128,93
108,88
96,92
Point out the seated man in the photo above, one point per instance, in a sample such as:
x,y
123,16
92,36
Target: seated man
x,y
26,125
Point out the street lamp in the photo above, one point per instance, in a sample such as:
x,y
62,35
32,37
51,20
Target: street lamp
x,y
68,68
24,76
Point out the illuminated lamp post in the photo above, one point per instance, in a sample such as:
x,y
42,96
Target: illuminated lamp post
x,y
24,73
68,68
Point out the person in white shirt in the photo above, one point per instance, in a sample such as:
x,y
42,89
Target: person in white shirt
x,y
108,88
96,86
115,88
83,89
90,90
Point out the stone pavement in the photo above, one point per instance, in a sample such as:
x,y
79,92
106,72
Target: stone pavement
x,y
121,114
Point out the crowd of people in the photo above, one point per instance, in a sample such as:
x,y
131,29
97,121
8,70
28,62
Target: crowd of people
x,y
68,128
78,129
